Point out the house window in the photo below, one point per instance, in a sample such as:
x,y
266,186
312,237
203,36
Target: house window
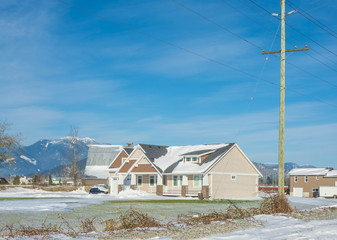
x,y
152,180
196,181
295,179
233,177
123,160
175,181
317,177
188,159
306,179
139,180
181,180
194,159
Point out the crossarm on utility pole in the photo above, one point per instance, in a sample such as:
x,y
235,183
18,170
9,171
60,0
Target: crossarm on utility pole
x,y
289,50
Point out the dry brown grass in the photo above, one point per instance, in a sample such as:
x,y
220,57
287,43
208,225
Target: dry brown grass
x,y
59,188
270,205
29,231
131,219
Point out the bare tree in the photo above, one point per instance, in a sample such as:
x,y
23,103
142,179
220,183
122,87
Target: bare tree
x,y
9,144
73,138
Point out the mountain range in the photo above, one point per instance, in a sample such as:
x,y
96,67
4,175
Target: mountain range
x,y
46,156
55,156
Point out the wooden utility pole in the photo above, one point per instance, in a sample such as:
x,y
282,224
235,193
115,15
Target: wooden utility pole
x,y
282,99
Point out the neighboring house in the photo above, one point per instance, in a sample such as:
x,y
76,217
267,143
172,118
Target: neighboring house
x,y
99,158
209,171
3,180
25,181
304,182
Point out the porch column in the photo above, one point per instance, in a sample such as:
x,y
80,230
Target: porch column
x,y
133,181
159,186
120,182
205,187
184,186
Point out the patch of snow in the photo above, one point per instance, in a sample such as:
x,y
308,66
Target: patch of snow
x,y
130,194
332,173
97,171
309,171
32,161
305,203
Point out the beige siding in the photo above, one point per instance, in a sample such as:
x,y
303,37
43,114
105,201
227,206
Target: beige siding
x,y
143,161
136,153
234,162
146,184
223,187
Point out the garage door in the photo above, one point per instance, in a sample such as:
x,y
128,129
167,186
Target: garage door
x,y
298,192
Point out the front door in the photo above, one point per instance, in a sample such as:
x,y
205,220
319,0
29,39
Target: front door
x,y
127,181
114,186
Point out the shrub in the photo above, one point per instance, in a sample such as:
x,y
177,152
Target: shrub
x,y
16,180
274,204
131,219
87,225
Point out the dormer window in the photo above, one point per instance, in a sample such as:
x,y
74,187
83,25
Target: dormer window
x,y
197,156
193,159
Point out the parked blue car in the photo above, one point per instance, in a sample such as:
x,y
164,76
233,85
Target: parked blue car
x,y
96,190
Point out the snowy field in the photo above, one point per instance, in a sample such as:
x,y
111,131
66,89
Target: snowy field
x,y
34,200
23,206
278,227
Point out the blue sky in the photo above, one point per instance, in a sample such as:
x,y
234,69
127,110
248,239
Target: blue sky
x,y
61,66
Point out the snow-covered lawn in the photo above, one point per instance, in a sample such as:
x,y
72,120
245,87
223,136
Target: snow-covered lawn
x,y
279,227
26,199
31,205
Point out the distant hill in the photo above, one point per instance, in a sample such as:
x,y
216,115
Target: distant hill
x,y
46,155
271,169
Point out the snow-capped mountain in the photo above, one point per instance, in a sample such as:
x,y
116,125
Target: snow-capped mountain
x,y
46,154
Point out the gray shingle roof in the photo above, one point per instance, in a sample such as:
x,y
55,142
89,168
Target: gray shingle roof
x,y
154,151
217,153
172,167
128,150
200,152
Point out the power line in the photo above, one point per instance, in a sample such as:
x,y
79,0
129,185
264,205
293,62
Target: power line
x,y
288,25
181,48
275,34
222,27
326,29
286,32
